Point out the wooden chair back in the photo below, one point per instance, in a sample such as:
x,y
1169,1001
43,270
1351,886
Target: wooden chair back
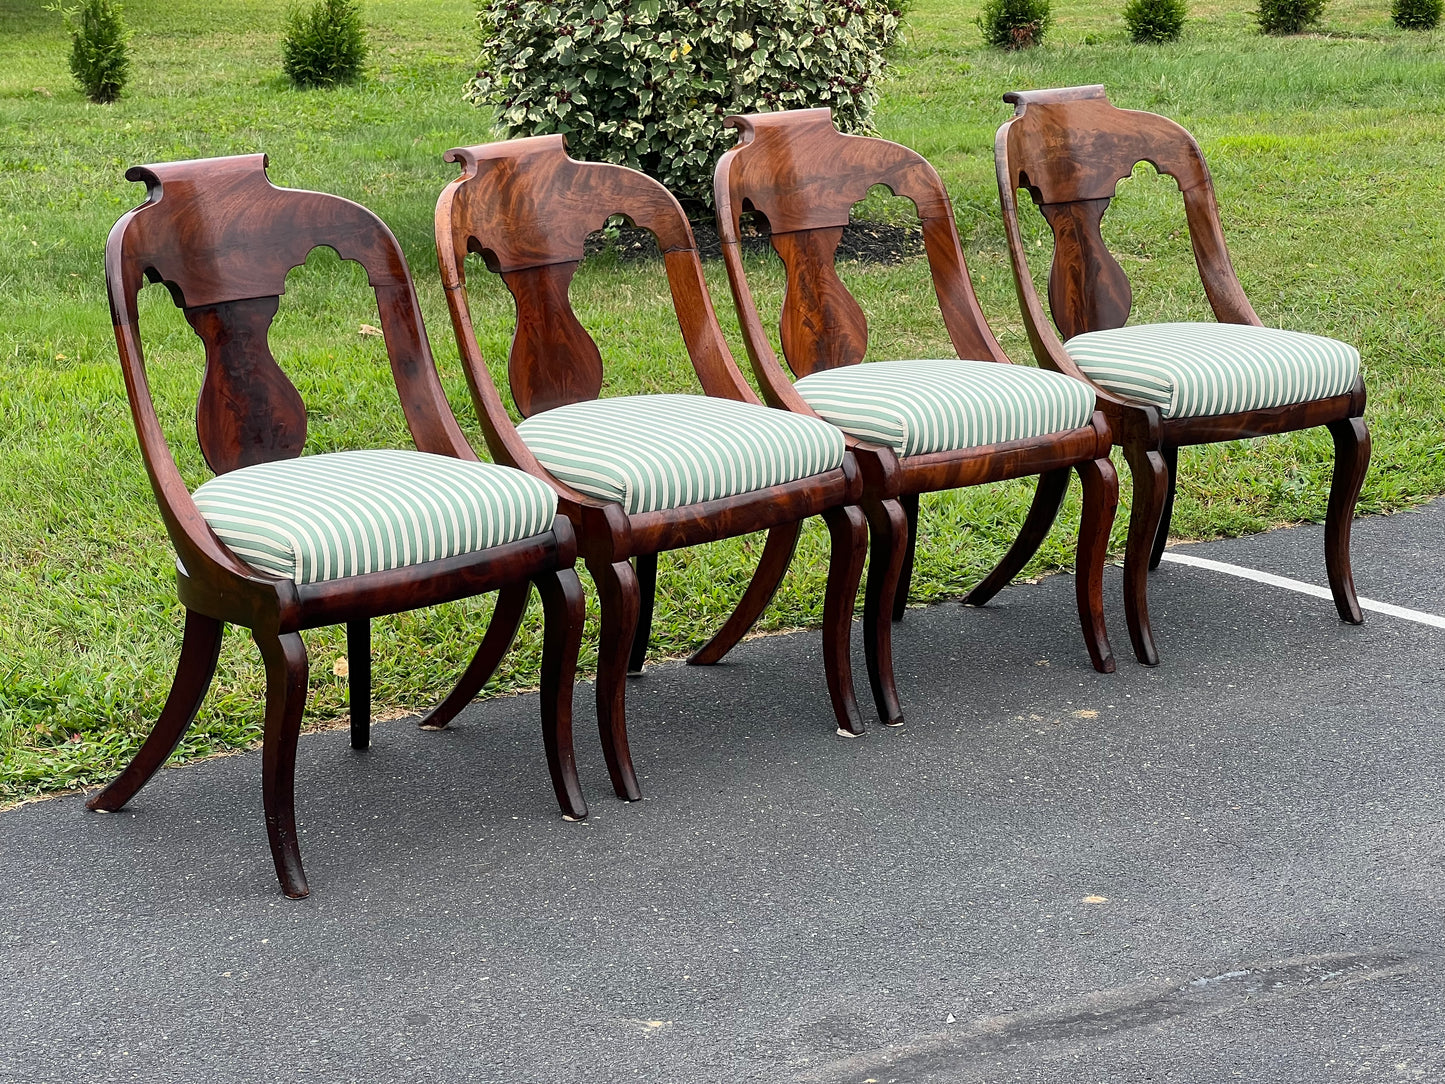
x,y
1069,149
527,209
803,175
222,239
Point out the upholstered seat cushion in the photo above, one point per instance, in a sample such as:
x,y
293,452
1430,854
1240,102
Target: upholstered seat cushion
x,y
650,452
322,517
1191,370
916,407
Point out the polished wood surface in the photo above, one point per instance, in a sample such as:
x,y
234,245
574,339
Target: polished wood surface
x,y
804,176
1069,149
222,239
527,208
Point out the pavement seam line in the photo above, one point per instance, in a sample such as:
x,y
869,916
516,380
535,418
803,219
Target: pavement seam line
x,y
1303,588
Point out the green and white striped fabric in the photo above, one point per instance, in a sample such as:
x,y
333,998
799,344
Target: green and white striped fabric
x,y
322,517
916,407
1190,370
649,452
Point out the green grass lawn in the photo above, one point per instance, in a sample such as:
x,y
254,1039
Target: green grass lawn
x,y
1328,151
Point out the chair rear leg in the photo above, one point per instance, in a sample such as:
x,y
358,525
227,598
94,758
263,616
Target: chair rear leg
x,y
1151,482
1048,499
772,567
1161,538
848,531
286,673
1352,460
905,578
358,677
507,615
645,565
1101,501
888,538
564,611
200,648
618,592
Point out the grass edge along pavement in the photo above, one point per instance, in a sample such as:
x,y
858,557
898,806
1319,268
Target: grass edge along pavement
x,y
1326,149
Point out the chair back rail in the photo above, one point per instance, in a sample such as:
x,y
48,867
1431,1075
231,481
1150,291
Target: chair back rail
x,y
527,209
1069,149
804,176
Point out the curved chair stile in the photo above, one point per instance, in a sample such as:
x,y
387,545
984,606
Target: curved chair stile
x,y
804,176
527,208
222,239
1069,148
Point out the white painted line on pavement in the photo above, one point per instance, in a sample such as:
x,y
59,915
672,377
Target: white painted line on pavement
x,y
1303,588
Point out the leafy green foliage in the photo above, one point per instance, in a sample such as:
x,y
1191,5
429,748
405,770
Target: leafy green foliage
x,y
1289,16
99,57
325,44
647,84
1155,21
1416,14
1015,24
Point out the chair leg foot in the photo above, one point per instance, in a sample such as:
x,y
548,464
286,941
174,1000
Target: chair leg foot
x,y
848,531
1352,460
772,567
888,538
1101,501
1048,499
1151,481
507,615
617,589
200,648
286,673
563,614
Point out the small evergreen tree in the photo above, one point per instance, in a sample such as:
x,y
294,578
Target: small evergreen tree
x,y
325,44
1015,24
1416,14
1289,16
1155,21
99,59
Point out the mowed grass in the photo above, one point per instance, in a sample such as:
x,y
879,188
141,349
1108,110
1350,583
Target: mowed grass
x,y
1327,151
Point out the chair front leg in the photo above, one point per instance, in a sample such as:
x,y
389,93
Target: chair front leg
x,y
1151,482
358,678
507,615
200,648
1352,460
618,592
888,538
1101,501
772,567
564,610
286,674
1161,537
848,532
1048,499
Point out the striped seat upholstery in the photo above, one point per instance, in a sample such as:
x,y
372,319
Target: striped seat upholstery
x,y
650,452
322,517
1191,370
916,407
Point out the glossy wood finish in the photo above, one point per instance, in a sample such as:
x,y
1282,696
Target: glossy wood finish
x,y
1069,149
527,208
804,176
222,239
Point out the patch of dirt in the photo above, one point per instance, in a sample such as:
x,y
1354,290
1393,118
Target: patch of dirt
x,y
863,241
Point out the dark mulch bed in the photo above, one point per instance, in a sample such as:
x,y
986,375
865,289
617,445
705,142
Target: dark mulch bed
x,y
863,241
